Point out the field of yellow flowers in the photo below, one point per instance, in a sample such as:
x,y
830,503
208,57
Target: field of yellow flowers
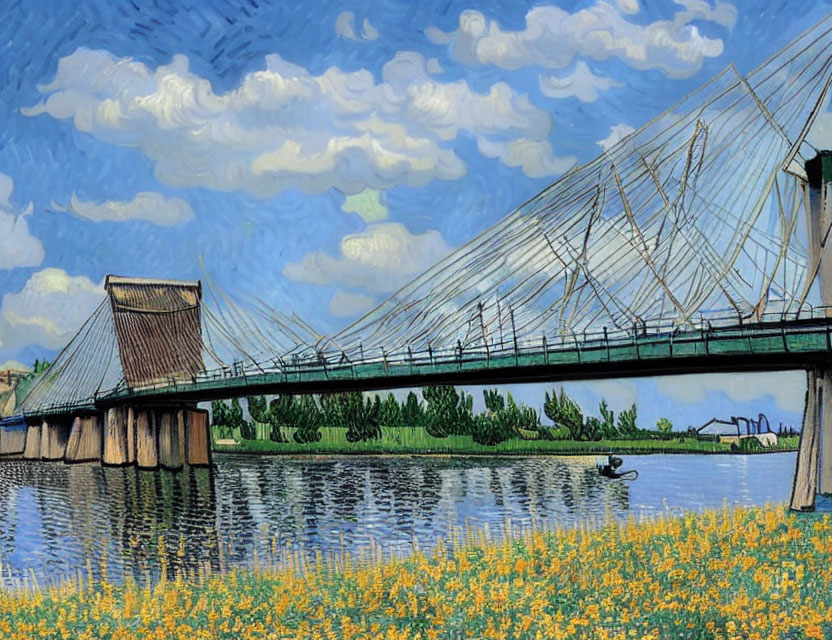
x,y
733,573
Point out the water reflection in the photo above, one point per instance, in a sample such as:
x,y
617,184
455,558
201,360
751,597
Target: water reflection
x,y
58,520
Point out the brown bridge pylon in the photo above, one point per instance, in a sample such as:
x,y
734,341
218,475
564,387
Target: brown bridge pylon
x,y
813,469
157,325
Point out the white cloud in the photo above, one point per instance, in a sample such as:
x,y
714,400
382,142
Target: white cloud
x,y
18,247
581,83
433,67
344,303
617,133
787,388
345,27
553,38
368,31
627,6
367,205
380,259
48,310
147,205
284,127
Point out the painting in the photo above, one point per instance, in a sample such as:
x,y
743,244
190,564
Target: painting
x,y
415,319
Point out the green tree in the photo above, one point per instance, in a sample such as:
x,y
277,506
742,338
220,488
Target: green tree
x,y
361,417
413,413
494,402
627,423
391,412
448,412
238,422
593,429
307,420
221,418
565,413
258,408
331,413
607,426
283,413
664,425
495,425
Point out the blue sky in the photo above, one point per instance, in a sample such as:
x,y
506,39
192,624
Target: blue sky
x,y
319,155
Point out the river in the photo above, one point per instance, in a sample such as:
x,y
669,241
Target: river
x,y
59,521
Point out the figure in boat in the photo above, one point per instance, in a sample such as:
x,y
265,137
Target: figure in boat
x,y
610,469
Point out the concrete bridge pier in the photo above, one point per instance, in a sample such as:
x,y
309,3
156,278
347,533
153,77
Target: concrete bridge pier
x,y
813,469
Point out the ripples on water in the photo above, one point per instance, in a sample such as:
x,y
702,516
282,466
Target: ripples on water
x,y
57,520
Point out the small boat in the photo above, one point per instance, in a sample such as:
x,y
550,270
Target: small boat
x,y
610,469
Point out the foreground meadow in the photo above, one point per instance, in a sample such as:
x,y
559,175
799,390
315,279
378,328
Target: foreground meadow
x,y
754,573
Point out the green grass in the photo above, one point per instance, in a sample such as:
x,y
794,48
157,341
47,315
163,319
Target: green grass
x,y
415,440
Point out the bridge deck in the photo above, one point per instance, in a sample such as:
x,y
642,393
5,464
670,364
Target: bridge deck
x,y
793,344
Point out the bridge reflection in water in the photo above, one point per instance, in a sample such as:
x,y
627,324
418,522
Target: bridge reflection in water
x,y
58,520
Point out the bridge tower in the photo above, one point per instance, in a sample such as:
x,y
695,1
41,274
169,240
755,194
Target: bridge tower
x,y
158,331
158,340
813,471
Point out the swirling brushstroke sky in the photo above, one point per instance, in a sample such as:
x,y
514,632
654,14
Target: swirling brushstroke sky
x,y
321,154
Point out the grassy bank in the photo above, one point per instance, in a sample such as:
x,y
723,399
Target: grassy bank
x,y
754,574
415,440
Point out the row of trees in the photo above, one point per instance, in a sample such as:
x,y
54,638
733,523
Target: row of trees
x,y
569,419
442,411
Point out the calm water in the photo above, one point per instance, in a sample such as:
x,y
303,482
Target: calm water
x,y
57,519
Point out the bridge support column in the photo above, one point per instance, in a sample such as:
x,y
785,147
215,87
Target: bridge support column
x,y
197,438
115,436
147,439
32,449
53,440
170,456
12,441
813,469
85,439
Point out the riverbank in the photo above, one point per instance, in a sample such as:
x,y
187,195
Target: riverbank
x,y
416,441
751,573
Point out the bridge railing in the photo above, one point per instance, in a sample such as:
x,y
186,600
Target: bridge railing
x,y
702,326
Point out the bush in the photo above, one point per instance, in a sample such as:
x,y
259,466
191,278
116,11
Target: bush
x,y
664,425
746,445
554,433
491,429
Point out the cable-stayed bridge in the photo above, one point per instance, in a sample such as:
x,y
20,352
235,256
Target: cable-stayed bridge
x,y
697,243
